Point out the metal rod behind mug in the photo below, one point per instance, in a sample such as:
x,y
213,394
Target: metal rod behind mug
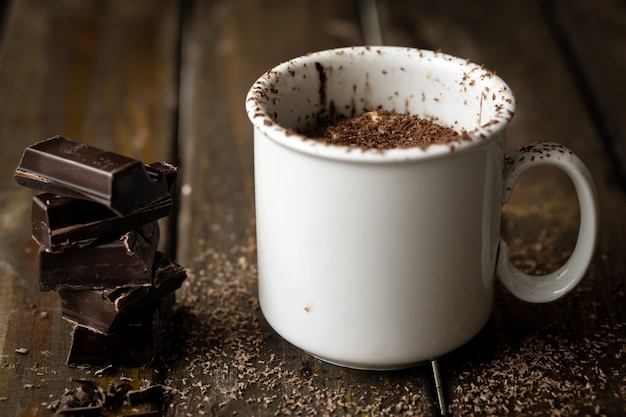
x,y
443,407
370,22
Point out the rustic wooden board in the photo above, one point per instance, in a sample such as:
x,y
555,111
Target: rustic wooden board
x,y
103,73
599,62
565,356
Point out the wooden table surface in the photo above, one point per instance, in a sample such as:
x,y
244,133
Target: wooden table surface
x,y
166,80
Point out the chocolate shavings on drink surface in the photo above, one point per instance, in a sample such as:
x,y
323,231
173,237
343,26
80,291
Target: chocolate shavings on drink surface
x,y
383,129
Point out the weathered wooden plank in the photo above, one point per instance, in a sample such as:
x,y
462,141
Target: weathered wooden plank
x,y
99,72
592,36
228,360
568,355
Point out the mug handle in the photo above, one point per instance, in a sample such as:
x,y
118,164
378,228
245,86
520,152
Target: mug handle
x,y
545,288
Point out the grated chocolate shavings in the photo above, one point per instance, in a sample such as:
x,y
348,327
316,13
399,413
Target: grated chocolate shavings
x,y
381,129
547,375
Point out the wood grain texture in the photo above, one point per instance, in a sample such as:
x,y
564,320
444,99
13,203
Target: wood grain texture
x,y
598,63
103,73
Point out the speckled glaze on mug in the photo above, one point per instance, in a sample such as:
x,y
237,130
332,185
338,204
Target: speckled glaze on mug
x,y
383,260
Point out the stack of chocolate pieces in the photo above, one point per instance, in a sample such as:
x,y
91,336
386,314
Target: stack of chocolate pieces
x,y
97,230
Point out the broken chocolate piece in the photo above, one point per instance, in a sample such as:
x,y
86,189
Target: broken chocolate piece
x,y
133,344
125,261
61,166
90,400
152,393
61,223
103,311
85,400
168,170
91,309
168,276
117,390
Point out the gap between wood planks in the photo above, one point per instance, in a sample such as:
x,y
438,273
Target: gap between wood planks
x,y
184,13
602,117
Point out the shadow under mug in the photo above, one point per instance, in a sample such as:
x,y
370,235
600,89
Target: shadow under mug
x,y
386,259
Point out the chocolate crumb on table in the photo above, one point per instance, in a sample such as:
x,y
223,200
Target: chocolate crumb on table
x,y
88,398
566,374
382,129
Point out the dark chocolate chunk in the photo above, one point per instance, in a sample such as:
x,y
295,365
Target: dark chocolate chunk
x,y
168,276
85,400
104,310
117,390
133,344
60,223
152,393
166,169
61,166
125,261
91,309
90,400
88,308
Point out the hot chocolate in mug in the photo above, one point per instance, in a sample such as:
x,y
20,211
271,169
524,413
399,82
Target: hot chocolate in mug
x,y
386,259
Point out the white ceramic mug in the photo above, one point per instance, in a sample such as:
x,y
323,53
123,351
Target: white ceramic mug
x,y
382,260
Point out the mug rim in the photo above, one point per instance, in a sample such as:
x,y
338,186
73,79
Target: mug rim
x,y
257,101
